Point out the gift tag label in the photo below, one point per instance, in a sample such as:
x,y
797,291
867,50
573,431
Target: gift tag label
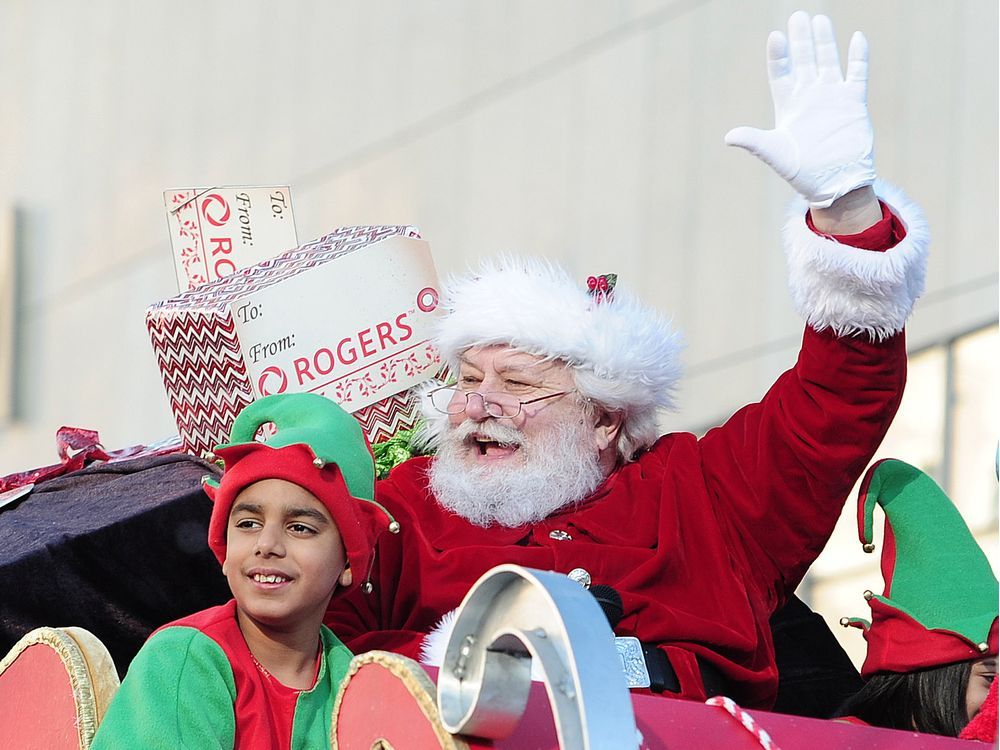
x,y
633,662
360,331
215,231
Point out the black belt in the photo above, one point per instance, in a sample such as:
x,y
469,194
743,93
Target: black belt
x,y
663,678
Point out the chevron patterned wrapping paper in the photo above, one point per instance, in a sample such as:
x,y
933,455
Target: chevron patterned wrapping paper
x,y
320,318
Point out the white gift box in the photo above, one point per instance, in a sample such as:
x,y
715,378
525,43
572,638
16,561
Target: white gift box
x,y
347,316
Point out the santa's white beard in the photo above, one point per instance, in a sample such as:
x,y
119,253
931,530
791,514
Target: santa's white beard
x,y
552,471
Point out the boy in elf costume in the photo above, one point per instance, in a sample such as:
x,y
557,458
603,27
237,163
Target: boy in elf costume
x,y
294,522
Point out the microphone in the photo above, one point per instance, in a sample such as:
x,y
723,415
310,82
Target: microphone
x,y
610,602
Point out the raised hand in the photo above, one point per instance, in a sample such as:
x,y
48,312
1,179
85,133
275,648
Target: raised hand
x,y
822,142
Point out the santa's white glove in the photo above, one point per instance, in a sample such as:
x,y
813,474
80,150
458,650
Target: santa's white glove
x,y
822,142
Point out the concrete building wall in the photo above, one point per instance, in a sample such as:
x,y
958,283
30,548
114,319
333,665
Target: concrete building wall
x,y
589,132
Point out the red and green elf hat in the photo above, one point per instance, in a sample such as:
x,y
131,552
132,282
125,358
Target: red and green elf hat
x,y
941,597
318,446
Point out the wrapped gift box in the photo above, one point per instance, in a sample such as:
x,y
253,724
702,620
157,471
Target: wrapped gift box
x,y
346,316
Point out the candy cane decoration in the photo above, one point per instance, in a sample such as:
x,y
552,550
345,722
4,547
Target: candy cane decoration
x,y
745,719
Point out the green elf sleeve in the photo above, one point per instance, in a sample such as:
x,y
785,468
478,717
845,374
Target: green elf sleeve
x,y
178,693
314,708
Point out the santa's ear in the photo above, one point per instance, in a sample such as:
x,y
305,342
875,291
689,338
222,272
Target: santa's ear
x,y
607,426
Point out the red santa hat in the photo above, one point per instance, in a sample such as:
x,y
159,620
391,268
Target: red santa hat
x,y
624,354
318,446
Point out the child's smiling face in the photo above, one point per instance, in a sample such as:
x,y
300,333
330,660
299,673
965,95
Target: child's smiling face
x,y
284,555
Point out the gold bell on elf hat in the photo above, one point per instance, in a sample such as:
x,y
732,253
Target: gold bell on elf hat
x,y
316,445
941,597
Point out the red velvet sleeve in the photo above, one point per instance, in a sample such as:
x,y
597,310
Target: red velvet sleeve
x,y
781,469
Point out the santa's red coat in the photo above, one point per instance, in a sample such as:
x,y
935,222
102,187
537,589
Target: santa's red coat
x,y
703,538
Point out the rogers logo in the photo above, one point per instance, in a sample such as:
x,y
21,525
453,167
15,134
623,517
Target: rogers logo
x,y
427,299
269,378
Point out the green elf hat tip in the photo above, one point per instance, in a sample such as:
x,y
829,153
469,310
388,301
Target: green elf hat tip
x,y
334,436
941,597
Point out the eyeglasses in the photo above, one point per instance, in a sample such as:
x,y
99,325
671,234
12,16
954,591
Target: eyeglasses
x,y
450,400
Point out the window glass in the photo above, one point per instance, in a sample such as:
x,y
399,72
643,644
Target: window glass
x,y
973,448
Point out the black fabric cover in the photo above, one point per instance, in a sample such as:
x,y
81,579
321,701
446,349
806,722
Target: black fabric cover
x,y
815,674
116,548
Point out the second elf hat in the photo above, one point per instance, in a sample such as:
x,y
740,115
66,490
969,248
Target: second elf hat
x,y
941,597
318,446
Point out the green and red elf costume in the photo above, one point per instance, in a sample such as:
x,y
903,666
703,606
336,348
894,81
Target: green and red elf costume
x,y
195,683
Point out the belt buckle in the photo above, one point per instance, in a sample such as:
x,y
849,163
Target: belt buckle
x,y
633,662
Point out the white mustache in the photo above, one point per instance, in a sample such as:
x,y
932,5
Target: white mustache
x,y
501,433
554,469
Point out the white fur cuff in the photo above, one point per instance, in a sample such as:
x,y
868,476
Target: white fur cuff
x,y
852,290
436,642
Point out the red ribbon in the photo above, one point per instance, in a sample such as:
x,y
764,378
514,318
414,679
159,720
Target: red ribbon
x,y
78,447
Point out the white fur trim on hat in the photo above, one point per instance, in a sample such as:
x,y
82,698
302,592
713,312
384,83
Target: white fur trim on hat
x,y
852,290
628,350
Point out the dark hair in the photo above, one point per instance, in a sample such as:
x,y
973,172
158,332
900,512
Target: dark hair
x,y
928,700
